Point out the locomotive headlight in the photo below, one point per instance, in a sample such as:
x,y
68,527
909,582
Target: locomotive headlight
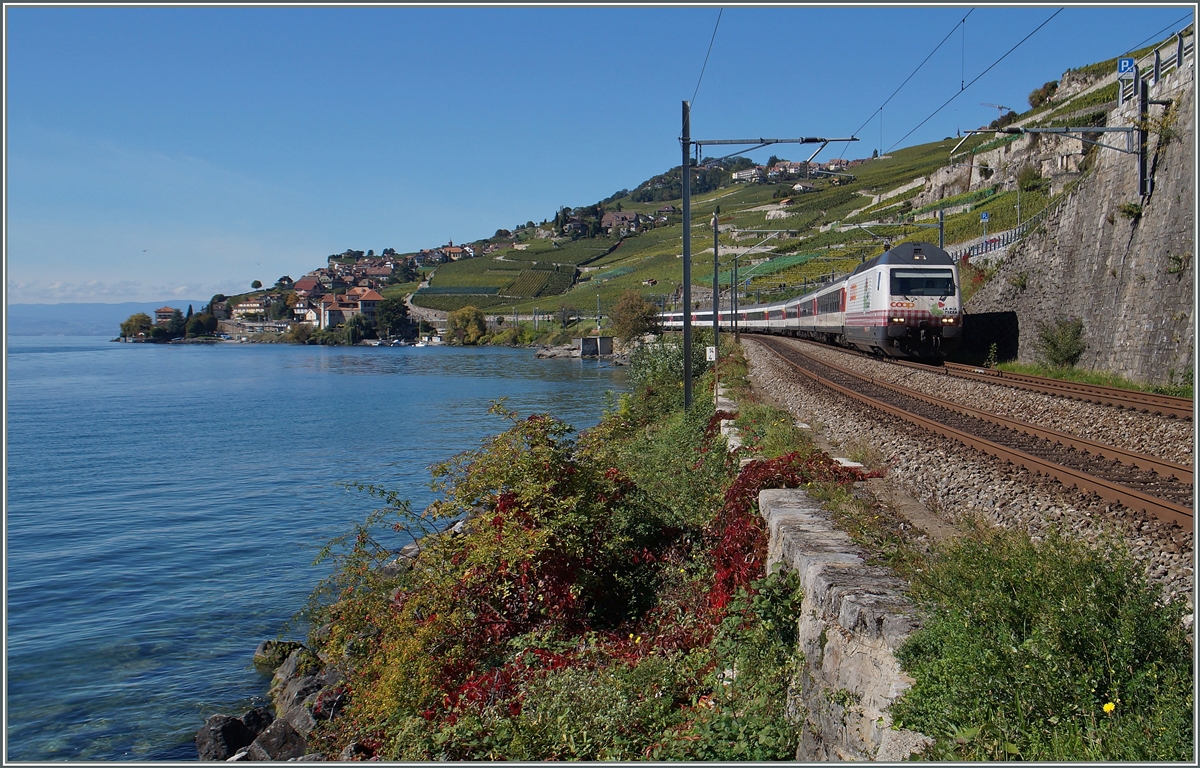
x,y
947,321
897,319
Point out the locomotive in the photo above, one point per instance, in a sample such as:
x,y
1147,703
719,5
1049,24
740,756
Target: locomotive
x,y
904,303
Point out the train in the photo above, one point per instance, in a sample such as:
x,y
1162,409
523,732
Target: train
x,y
904,303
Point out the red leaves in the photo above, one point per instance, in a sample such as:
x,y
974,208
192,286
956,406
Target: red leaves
x,y
738,533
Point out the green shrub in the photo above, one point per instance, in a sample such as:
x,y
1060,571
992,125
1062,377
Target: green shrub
x,y
1046,651
745,717
1060,343
661,361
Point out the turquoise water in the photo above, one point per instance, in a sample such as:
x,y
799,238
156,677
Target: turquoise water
x,y
164,505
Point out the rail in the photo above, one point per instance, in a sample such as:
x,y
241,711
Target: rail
x,y
1165,405
1109,489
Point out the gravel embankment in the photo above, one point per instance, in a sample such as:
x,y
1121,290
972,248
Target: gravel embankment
x,y
1151,434
958,483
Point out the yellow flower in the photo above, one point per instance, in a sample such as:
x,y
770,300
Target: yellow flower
x,y
1109,707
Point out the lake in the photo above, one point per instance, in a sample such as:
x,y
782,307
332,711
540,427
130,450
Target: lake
x,y
165,504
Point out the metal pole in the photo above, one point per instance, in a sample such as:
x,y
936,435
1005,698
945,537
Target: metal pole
x,y
716,287
686,171
942,228
733,289
1142,93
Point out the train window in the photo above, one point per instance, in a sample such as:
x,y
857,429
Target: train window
x,y
830,302
922,282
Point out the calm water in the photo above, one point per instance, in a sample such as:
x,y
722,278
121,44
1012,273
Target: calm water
x,y
164,505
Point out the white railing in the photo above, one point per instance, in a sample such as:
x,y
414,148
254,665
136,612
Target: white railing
x,y
1159,62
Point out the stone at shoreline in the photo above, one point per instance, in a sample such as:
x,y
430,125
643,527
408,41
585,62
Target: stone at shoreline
x,y
279,742
271,653
221,737
256,720
565,350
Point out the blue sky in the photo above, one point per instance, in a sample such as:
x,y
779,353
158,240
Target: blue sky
x,y
176,152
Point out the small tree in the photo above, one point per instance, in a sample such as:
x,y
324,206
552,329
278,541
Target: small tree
x,y
201,325
256,285
1029,177
137,323
176,326
1060,343
633,316
391,316
466,325
357,328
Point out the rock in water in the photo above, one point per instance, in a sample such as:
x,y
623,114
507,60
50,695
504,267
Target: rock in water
x,y
221,737
271,653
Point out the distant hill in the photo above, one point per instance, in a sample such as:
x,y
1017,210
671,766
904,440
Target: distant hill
x,y
83,319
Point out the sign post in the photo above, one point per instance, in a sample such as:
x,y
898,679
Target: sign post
x,y
983,218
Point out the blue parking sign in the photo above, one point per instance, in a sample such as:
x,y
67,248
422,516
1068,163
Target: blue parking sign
x,y
983,216
1124,65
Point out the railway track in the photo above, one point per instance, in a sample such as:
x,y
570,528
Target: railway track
x,y
1164,405
1159,488
1176,407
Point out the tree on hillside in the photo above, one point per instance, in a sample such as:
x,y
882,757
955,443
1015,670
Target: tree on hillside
x,y
407,272
633,316
466,325
256,285
1043,94
391,316
137,323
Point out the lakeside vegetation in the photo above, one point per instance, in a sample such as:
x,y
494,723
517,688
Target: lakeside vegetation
x,y
606,598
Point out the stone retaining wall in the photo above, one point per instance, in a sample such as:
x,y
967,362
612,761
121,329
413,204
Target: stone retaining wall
x,y
853,618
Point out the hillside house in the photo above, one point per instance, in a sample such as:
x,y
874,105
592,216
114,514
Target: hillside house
x,y
306,286
621,220
248,309
754,174
163,315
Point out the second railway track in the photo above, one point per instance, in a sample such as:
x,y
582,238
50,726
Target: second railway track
x,y
1139,482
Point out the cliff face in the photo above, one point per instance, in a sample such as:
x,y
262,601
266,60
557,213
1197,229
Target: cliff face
x,y
1128,275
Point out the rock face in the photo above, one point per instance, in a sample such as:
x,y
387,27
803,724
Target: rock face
x,y
1121,262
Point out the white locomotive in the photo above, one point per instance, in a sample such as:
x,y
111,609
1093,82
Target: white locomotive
x,y
902,303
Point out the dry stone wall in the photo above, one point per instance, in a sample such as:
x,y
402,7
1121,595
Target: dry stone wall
x,y
1121,262
852,619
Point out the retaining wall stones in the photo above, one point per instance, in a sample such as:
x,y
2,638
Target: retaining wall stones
x,y
853,617
1120,261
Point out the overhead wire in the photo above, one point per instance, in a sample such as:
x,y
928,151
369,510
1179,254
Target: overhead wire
x,y
1152,38
981,74
706,55
910,77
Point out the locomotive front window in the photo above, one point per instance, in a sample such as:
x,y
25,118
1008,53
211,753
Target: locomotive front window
x,y
922,282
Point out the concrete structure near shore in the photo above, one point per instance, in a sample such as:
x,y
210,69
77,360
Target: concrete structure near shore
x,y
594,346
